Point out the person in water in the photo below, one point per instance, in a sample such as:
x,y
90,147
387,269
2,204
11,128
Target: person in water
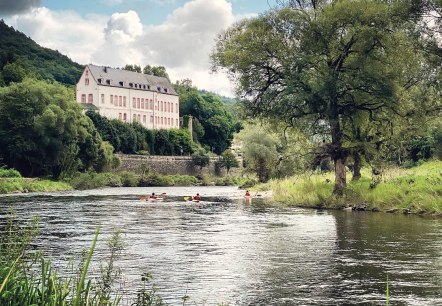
x,y
197,197
152,196
247,193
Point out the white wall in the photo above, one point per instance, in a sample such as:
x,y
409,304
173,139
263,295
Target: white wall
x,y
160,116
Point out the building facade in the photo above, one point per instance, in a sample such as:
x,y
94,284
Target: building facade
x,y
129,96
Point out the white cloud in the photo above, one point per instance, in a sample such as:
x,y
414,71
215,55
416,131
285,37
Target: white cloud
x,y
65,31
182,43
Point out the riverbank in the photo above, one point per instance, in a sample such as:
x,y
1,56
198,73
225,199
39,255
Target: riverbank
x,y
417,190
24,185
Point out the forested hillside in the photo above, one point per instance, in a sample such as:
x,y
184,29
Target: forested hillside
x,y
20,56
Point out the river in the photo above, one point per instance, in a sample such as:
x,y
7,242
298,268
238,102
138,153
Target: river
x,y
222,250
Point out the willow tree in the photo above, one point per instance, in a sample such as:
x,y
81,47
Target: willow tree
x,y
318,65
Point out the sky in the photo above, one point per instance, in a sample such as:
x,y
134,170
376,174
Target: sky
x,y
177,34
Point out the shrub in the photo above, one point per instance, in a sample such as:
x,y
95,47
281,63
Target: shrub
x,y
88,180
184,180
155,179
9,173
129,179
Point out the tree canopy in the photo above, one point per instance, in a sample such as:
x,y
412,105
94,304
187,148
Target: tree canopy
x,y
213,124
44,132
328,67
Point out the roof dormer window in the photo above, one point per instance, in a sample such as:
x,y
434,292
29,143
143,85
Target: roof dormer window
x,y
108,82
121,83
131,84
159,88
99,81
165,89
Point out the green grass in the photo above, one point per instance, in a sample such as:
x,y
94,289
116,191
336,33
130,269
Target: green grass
x,y
10,185
415,190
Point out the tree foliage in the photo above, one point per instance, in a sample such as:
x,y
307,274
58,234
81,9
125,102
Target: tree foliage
x,y
213,125
200,158
329,67
131,138
228,160
23,53
43,131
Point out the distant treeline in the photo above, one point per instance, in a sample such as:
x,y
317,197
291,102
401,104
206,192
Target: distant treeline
x,y
20,56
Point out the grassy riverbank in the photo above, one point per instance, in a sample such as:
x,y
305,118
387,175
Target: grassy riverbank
x,y
22,185
414,190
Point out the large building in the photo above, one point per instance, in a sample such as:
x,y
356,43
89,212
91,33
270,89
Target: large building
x,y
129,96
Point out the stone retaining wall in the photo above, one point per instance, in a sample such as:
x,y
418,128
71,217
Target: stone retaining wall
x,y
172,165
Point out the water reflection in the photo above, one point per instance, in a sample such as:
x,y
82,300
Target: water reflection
x,y
221,250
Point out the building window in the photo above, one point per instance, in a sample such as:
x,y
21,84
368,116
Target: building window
x,y
138,103
162,121
171,107
124,101
144,118
83,98
151,119
120,116
124,117
86,81
134,118
120,101
134,103
111,99
90,98
176,107
102,98
161,105
151,104
176,122
87,73
142,103
139,118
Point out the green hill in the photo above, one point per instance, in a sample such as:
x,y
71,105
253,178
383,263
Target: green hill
x,y
20,55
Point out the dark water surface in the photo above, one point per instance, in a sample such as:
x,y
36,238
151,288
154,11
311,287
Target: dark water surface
x,y
223,251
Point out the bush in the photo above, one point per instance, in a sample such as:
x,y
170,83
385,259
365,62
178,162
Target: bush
x,y
9,173
129,179
112,179
184,180
88,180
156,180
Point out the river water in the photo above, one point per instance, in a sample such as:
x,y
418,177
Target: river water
x,y
222,250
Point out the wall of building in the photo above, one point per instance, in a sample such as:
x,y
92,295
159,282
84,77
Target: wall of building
x,y
153,110
172,165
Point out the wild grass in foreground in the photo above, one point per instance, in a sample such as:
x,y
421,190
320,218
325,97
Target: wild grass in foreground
x,y
415,190
27,278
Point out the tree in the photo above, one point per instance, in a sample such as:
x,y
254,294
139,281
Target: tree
x,y
260,153
134,68
228,160
317,64
200,158
159,71
44,132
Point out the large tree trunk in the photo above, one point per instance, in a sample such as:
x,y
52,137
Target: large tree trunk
x,y
356,166
339,155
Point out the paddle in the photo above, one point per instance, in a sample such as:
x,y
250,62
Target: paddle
x,y
187,198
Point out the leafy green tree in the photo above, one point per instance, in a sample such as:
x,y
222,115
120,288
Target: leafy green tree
x,y
200,158
134,68
13,73
317,64
213,125
159,71
43,131
228,160
260,153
